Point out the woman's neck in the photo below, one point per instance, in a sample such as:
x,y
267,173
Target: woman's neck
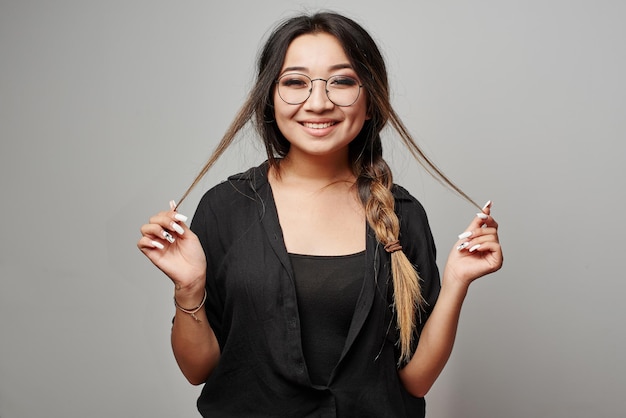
x,y
314,170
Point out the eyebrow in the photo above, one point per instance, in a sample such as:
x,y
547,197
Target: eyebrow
x,y
332,68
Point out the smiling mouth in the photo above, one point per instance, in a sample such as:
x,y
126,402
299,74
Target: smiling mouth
x,y
318,125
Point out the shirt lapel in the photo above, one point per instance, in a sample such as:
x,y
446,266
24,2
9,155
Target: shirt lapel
x,y
366,298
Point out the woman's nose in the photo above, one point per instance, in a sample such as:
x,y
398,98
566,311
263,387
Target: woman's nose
x,y
318,100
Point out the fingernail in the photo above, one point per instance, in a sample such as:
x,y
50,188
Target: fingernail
x,y
172,204
465,234
168,237
482,215
488,204
180,217
177,228
474,248
157,244
463,246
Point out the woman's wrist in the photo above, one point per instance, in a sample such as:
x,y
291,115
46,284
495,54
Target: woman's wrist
x,y
190,295
453,285
193,310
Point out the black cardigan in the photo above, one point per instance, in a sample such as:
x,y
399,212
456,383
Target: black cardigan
x,y
252,309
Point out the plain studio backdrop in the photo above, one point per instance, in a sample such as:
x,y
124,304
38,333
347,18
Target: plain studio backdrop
x,y
108,109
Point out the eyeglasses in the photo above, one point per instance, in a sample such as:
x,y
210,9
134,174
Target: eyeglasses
x,y
296,88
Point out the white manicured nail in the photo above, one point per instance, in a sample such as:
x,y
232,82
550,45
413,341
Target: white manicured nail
x,y
474,248
482,215
157,244
180,217
172,204
463,246
177,228
168,237
465,234
488,204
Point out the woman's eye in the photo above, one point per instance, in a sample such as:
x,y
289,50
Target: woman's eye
x,y
343,82
294,82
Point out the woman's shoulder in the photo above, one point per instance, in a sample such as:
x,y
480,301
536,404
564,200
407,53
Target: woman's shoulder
x,y
256,175
244,184
240,191
415,234
405,202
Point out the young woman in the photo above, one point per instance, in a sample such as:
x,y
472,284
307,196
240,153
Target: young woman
x,y
308,286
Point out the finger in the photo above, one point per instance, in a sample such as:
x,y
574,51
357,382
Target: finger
x,y
483,219
174,209
478,232
489,221
472,245
168,222
487,207
482,247
178,219
469,239
480,241
492,248
157,232
175,226
162,218
488,246
177,223
146,244
479,220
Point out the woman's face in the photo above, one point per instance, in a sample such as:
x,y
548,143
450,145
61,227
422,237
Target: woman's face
x,y
318,127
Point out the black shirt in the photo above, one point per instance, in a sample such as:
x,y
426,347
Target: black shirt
x,y
327,289
253,310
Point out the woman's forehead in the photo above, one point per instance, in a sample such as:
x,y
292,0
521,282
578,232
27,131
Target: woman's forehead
x,y
319,51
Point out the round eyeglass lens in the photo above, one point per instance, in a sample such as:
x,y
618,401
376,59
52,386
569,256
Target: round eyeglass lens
x,y
296,89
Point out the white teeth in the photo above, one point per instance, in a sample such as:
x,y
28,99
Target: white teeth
x,y
318,125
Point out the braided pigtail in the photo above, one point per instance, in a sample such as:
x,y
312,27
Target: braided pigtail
x,y
375,184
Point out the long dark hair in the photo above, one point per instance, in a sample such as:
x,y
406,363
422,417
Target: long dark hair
x,y
374,177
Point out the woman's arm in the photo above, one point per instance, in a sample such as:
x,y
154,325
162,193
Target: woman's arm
x,y
473,256
176,250
195,346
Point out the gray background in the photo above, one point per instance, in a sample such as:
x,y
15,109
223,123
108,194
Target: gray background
x,y
108,109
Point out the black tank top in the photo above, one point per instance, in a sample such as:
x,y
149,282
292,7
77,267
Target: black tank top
x,y
327,289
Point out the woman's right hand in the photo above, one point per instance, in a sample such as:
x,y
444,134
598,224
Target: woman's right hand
x,y
174,249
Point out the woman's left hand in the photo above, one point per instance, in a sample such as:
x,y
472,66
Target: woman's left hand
x,y
477,252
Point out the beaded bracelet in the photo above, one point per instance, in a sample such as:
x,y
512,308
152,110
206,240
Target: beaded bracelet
x,y
192,311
